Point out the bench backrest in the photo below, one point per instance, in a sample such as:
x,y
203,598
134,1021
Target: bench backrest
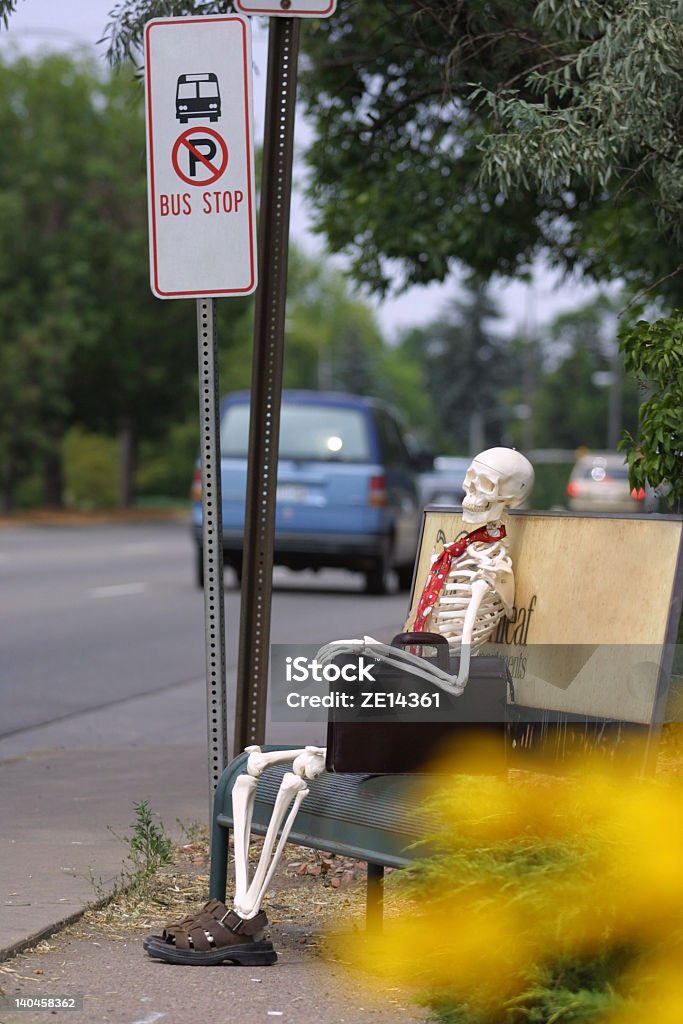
x,y
597,606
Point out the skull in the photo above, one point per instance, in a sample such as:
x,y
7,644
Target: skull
x,y
497,479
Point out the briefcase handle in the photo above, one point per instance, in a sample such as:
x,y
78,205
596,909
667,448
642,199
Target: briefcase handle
x,y
436,640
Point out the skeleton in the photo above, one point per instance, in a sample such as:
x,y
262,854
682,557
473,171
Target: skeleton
x,y
478,590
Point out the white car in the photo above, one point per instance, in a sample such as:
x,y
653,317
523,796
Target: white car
x,y
599,483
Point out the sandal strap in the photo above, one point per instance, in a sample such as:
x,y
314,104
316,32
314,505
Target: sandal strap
x,y
244,926
187,922
225,927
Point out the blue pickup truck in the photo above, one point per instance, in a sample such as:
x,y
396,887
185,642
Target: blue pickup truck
x,y
346,490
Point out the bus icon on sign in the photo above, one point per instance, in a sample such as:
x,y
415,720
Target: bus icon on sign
x,y
197,96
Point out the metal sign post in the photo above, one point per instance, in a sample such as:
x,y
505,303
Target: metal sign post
x,y
268,355
203,244
212,537
266,383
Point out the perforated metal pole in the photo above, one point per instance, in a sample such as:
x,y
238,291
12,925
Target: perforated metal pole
x,y
212,540
266,383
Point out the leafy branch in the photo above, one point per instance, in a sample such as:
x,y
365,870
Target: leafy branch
x,y
653,352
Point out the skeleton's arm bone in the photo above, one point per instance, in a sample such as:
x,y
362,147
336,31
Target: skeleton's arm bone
x,y
392,656
479,591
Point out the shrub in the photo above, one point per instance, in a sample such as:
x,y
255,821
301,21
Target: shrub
x,y
545,899
91,470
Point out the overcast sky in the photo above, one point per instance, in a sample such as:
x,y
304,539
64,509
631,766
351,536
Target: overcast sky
x,y
67,23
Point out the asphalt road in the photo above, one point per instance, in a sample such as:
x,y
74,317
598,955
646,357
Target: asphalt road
x,y
98,616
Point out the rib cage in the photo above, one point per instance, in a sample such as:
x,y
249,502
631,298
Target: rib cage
x,y
491,563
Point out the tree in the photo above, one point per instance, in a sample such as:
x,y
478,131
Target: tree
x,y
580,398
608,116
45,305
464,365
395,164
603,114
332,338
84,340
409,98
653,352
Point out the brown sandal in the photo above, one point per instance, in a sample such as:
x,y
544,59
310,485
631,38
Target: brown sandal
x,y
215,935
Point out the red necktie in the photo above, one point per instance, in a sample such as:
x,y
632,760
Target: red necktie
x,y
436,577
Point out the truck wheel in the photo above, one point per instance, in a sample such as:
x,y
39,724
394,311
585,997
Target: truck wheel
x,y
378,579
405,577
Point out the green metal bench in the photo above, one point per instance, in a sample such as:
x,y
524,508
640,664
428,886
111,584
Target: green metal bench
x,y
374,818
379,819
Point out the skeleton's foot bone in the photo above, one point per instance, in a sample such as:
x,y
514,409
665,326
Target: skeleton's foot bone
x,y
213,936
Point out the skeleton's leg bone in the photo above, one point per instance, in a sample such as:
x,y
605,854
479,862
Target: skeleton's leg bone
x,y
311,763
243,796
257,762
247,902
479,591
252,904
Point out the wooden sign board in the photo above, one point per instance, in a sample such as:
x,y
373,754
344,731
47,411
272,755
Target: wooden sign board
x,y
597,604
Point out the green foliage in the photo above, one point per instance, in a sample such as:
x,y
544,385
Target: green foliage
x,y
653,352
550,485
600,113
395,161
166,465
150,847
91,470
74,299
608,99
332,338
6,8
543,897
481,134
124,33
462,365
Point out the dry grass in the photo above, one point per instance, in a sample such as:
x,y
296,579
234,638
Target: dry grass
x,y
308,886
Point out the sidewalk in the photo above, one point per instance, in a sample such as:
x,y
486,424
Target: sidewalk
x,y
64,806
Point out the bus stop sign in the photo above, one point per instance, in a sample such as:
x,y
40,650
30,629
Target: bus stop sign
x,y
200,156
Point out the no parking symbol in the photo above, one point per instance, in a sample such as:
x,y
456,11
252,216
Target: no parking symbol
x,y
199,156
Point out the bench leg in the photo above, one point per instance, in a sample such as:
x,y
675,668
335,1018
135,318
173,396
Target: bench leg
x,y
375,897
219,863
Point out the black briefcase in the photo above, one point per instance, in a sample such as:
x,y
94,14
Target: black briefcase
x,y
414,722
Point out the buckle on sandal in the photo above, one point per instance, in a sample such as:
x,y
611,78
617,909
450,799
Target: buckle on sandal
x,y
238,926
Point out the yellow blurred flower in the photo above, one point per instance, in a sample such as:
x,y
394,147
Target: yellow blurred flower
x,y
533,869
